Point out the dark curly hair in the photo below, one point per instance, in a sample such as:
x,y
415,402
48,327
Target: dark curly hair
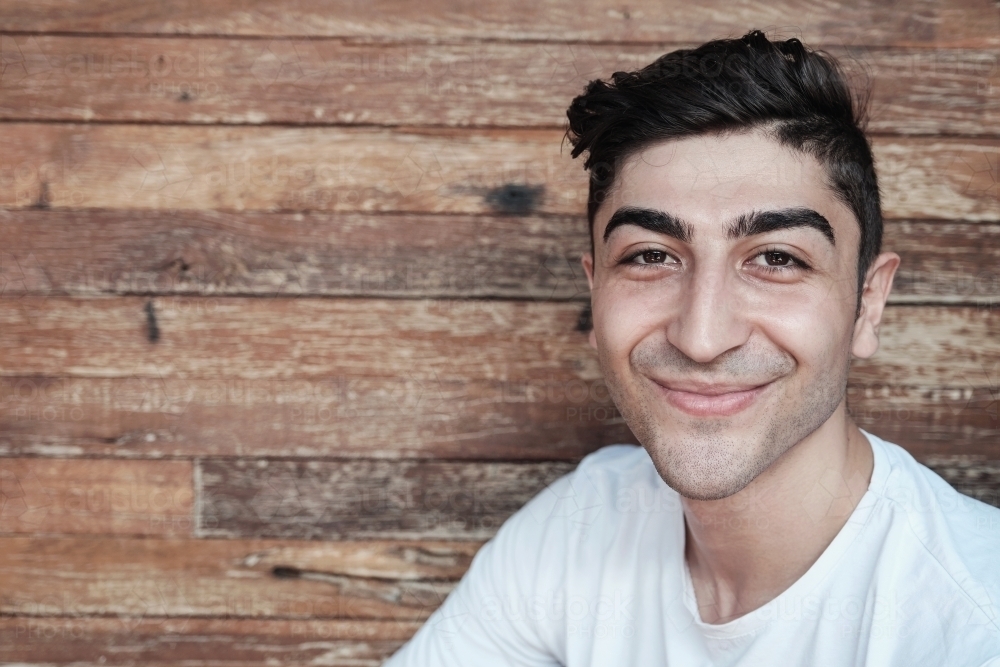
x,y
798,96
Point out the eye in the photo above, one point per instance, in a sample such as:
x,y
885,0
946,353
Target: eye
x,y
650,256
777,260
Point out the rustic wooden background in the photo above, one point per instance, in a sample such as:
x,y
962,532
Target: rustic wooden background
x,y
291,302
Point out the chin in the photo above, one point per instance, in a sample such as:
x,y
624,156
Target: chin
x,y
717,489
712,467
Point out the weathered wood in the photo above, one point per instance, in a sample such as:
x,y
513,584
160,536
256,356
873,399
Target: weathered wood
x,y
93,496
962,23
504,341
917,344
365,499
328,81
945,263
975,476
136,579
418,170
301,254
198,642
927,91
390,499
931,422
394,418
404,255
294,338
307,418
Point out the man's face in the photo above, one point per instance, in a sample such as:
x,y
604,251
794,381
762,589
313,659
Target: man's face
x,y
723,312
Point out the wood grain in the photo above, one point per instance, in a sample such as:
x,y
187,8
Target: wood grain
x,y
976,477
306,418
214,253
280,338
198,642
418,341
301,254
417,170
39,496
365,499
945,262
394,418
929,422
961,23
136,579
496,84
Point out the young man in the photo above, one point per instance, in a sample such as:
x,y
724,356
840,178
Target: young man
x,y
735,271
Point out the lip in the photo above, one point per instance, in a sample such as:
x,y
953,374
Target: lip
x,y
711,400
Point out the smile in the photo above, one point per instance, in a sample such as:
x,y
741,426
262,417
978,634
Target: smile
x,y
711,400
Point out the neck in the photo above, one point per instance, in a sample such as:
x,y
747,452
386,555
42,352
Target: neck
x,y
745,550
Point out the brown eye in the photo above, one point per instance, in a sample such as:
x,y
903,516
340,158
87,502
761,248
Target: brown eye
x,y
777,258
650,257
654,257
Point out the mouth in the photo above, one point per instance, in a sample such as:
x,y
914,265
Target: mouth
x,y
711,400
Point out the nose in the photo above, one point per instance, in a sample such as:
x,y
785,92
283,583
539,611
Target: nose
x,y
710,318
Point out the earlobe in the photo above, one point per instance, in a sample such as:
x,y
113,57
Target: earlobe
x,y
874,296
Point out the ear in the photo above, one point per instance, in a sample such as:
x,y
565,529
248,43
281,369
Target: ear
x,y
588,267
874,295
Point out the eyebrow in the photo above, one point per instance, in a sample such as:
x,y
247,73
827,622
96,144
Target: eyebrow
x,y
747,224
760,222
651,219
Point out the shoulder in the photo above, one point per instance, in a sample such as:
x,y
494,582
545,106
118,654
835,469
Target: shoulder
x,y
572,518
956,536
590,491
932,505
621,463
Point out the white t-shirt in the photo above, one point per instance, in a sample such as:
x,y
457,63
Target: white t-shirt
x,y
591,572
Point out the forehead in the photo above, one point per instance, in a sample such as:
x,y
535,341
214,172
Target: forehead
x,y
711,179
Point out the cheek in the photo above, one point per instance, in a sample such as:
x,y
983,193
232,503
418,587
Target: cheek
x,y
626,313
816,332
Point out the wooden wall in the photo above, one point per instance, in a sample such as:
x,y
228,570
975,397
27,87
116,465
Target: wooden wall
x,y
290,313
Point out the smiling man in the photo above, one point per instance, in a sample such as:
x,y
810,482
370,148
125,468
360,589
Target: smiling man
x,y
735,272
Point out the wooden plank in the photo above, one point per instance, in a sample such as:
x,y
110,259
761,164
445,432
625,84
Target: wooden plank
x,y
931,422
294,338
413,500
322,417
945,263
928,91
389,255
496,84
961,23
96,496
975,476
365,499
136,579
418,170
392,418
426,341
918,343
88,252
198,642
